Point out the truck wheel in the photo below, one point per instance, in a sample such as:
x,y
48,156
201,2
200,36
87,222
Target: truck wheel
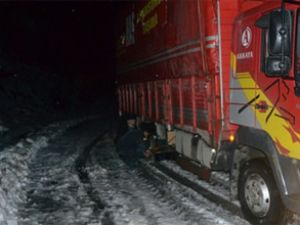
x,y
259,197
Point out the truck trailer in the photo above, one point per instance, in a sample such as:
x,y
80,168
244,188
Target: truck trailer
x,y
224,77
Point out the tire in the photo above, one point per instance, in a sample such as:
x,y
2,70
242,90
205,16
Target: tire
x,y
260,200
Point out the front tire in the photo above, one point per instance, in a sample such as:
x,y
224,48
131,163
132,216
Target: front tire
x,y
260,200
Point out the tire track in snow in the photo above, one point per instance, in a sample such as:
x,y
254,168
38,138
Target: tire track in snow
x,y
55,194
127,196
139,196
190,205
201,190
80,166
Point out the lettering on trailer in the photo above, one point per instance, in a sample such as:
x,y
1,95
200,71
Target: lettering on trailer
x,y
150,24
145,11
128,38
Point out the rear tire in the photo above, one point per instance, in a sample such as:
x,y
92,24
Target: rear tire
x,y
260,200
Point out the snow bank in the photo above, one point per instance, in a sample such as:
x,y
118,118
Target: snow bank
x,y
13,171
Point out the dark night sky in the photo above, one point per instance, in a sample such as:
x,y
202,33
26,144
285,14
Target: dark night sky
x,y
74,39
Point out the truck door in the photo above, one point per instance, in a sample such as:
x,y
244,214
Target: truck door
x,y
243,73
277,106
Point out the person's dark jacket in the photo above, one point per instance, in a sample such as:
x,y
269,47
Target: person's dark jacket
x,y
131,146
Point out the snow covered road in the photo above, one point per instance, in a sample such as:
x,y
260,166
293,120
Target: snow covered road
x,y
143,196
65,174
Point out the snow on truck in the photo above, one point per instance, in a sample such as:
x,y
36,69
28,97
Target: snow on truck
x,y
224,76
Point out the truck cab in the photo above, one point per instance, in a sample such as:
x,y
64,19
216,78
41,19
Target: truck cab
x,y
264,104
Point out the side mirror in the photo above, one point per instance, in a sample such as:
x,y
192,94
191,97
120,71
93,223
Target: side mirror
x,y
280,33
278,42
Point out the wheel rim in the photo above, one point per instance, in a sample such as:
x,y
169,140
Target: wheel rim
x,y
257,195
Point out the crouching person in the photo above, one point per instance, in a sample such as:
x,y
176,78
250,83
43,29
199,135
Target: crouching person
x,y
130,145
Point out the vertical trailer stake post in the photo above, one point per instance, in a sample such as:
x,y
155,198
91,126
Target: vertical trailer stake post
x,y
220,70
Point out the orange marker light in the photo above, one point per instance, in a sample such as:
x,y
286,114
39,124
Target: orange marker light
x,y
231,138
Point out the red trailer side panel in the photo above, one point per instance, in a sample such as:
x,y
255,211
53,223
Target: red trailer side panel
x,y
171,48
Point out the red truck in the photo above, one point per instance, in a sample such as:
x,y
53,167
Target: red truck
x,y
224,76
